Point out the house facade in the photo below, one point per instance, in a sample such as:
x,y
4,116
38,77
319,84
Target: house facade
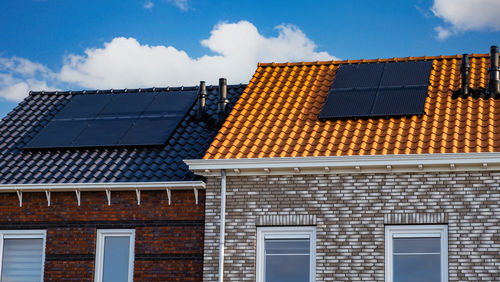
x,y
299,189
93,186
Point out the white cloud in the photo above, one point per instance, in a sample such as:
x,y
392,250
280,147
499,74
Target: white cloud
x,y
183,5
442,33
148,5
18,76
126,63
465,15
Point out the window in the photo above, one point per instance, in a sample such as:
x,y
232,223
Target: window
x,y
115,255
22,255
286,254
416,253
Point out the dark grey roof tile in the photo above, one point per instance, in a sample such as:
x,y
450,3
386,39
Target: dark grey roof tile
x,y
189,141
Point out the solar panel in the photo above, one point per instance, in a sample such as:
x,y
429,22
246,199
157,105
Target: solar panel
x,y
58,133
378,89
103,132
145,131
84,106
400,101
358,76
125,119
127,105
406,73
175,101
349,103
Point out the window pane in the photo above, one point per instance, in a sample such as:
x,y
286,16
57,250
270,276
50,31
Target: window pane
x,y
287,260
417,245
287,246
116,258
22,260
287,268
409,268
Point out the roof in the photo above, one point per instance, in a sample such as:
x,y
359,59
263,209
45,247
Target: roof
x,y
277,116
92,165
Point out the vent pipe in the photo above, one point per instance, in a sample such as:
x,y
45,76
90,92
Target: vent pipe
x,y
223,101
202,97
465,70
494,85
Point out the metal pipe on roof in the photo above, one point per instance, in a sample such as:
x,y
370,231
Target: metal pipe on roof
x,y
223,101
465,70
222,228
202,96
494,70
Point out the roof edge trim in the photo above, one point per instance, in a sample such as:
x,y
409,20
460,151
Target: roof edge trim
x,y
348,164
112,186
339,62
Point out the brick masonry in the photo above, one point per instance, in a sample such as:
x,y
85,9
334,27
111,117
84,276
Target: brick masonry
x,y
168,239
350,212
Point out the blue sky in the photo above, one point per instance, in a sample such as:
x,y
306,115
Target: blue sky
x,y
61,44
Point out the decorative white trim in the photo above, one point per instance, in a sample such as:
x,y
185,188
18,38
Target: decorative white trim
x,y
284,232
78,196
47,188
169,195
23,234
138,194
47,194
113,186
20,197
108,196
101,234
415,231
348,164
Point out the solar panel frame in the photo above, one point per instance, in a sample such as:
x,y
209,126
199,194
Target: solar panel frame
x,y
111,120
401,90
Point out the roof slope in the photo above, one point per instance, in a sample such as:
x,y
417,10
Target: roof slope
x,y
130,164
277,116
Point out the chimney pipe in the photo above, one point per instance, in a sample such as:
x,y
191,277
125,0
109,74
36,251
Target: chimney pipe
x,y
494,85
222,110
465,70
202,96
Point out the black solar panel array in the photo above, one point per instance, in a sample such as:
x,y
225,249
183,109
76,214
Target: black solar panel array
x,y
109,120
378,90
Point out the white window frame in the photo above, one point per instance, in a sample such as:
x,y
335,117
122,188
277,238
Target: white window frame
x,y
23,234
285,232
101,235
415,231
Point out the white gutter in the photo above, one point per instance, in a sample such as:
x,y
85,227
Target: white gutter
x,y
222,224
106,187
348,164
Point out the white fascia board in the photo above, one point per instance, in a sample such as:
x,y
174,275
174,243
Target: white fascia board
x,y
347,164
112,186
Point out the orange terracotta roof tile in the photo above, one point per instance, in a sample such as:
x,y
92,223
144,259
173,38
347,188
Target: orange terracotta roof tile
x,y
277,115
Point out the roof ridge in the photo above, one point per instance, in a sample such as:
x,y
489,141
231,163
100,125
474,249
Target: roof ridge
x,y
127,90
378,60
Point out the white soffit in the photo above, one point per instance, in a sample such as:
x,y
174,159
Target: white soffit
x,y
348,164
77,188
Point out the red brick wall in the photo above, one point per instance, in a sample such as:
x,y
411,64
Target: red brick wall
x,y
168,243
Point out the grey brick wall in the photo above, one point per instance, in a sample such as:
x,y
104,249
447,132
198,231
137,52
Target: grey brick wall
x,y
350,212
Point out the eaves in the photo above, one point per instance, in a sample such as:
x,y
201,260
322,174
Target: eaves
x,y
348,164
